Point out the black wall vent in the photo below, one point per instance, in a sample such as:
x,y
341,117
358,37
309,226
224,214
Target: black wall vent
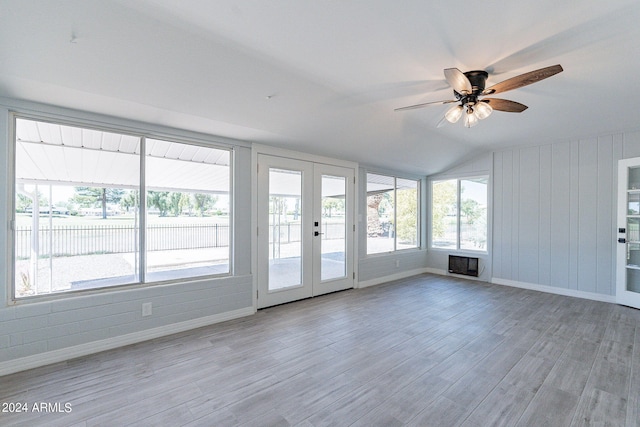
x,y
463,265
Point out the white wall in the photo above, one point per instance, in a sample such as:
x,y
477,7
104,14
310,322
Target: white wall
x,y
553,211
36,333
554,221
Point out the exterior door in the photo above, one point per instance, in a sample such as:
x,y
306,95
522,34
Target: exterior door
x,y
305,229
628,256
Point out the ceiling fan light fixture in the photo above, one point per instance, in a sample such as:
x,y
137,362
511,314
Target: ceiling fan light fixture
x,y
454,114
470,119
483,110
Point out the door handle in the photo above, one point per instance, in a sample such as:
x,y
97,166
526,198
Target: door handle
x,y
622,240
317,233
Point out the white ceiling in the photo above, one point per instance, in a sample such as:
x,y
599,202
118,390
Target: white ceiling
x,y
324,76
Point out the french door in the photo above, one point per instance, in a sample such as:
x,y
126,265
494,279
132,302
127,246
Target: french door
x,y
305,229
628,255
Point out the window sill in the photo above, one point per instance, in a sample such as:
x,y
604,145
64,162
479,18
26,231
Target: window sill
x,y
460,251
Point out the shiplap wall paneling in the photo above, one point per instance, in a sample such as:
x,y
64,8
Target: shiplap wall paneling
x,y
606,216
504,192
554,217
497,249
544,218
560,215
587,211
528,207
631,144
574,235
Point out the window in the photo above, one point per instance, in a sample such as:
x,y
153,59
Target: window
x,y
86,217
392,213
187,227
459,214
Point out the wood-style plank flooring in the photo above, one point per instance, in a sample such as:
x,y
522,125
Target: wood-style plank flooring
x,y
423,351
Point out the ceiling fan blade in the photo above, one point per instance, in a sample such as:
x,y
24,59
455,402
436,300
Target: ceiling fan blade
x,y
443,121
505,105
458,81
411,107
523,80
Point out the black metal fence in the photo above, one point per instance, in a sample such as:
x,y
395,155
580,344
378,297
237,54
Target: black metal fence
x,y
105,239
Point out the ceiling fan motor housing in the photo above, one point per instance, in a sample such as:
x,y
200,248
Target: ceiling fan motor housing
x,y
477,78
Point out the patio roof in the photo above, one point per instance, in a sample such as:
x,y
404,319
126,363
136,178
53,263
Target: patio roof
x,y
48,153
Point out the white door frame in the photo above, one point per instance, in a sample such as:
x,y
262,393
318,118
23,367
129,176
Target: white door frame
x,y
258,149
623,295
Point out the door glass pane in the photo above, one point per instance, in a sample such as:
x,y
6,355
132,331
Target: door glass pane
x,y
333,228
633,233
633,280
633,254
633,204
634,179
633,230
285,223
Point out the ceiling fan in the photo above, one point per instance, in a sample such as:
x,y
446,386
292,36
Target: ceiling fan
x,y
468,88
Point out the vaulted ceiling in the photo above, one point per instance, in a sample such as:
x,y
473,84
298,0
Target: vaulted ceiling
x,y
325,76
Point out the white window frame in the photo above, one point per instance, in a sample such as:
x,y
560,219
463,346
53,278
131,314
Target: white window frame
x,y
458,208
395,212
143,134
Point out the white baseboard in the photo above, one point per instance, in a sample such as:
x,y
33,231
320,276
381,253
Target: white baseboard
x,y
63,354
553,290
534,287
391,277
436,271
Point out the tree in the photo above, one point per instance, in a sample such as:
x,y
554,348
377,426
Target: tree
x,y
443,200
203,202
130,200
407,215
471,210
331,204
178,202
23,201
159,200
92,197
374,228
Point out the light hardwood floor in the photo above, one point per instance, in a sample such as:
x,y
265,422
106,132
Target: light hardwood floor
x,y
424,351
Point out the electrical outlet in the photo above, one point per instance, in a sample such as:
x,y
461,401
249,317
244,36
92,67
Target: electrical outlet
x,y
146,309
